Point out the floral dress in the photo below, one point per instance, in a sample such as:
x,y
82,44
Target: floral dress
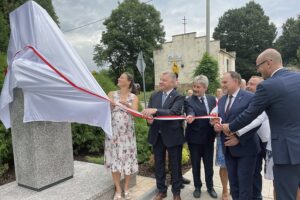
x,y
120,151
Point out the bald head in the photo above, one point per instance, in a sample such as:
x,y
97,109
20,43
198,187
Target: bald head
x,y
268,61
271,54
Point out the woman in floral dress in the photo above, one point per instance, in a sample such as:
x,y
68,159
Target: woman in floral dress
x,y
120,151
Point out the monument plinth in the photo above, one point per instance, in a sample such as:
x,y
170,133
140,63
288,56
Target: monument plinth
x,y
43,152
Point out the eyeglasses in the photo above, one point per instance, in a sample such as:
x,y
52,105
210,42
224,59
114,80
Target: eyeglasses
x,y
258,65
263,62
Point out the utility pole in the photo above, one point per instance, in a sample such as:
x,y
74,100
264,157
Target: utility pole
x,y
207,26
184,24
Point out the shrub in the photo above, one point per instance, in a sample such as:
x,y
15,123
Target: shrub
x,y
97,160
6,155
208,66
143,148
185,156
87,139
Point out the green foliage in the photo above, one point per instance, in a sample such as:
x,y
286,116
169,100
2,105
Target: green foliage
x,y
3,169
5,136
148,94
288,43
3,66
185,156
6,6
105,81
5,146
131,28
143,148
247,31
3,33
97,160
87,139
208,66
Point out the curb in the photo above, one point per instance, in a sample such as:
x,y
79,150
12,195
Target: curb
x,y
149,194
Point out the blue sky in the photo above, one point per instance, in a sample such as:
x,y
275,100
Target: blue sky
x,y
74,13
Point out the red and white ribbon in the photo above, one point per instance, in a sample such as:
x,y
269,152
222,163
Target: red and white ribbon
x,y
131,111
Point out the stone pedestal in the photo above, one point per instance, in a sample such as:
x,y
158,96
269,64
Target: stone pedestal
x,y
90,182
43,152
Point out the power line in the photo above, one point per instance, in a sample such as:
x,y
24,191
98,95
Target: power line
x,y
90,23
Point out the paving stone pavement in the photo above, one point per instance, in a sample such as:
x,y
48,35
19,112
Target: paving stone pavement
x,y
145,188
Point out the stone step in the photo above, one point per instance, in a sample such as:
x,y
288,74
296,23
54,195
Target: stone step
x,y
90,182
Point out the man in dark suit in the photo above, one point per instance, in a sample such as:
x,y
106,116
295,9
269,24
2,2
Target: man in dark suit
x,y
240,152
200,135
279,96
166,134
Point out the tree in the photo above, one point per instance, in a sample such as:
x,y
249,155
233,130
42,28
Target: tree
x,y
208,66
131,28
6,6
3,33
289,42
247,31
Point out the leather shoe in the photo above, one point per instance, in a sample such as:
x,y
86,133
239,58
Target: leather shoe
x,y
182,186
176,197
197,193
212,193
160,196
185,181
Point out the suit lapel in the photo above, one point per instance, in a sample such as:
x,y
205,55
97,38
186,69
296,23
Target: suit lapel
x,y
169,98
237,99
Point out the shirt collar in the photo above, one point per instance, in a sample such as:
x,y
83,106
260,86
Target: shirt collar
x,y
204,97
276,71
169,91
235,93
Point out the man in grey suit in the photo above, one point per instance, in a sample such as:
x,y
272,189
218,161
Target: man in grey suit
x,y
279,96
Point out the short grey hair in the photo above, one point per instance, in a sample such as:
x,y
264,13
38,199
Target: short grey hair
x,y
171,75
235,76
201,79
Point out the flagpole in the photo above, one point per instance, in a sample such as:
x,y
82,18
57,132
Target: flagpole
x,y
144,88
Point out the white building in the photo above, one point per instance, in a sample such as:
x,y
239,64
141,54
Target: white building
x,y
187,50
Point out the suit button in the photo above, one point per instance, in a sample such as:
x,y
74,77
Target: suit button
x,y
159,131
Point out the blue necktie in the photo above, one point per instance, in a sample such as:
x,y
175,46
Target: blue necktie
x,y
163,99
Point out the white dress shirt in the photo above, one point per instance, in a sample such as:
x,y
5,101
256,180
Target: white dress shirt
x,y
232,99
205,103
263,132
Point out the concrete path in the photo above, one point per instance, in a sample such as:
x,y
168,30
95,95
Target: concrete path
x,y
145,188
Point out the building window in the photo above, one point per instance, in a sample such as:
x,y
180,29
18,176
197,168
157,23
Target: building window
x,y
227,65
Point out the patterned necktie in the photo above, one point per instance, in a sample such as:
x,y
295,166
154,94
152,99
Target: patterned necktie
x,y
228,105
164,97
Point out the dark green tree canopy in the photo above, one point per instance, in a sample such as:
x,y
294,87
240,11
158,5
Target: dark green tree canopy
x,y
208,66
247,31
289,42
131,28
6,6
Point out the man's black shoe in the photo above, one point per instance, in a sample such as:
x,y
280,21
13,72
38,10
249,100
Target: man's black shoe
x,y
197,193
185,181
182,186
212,193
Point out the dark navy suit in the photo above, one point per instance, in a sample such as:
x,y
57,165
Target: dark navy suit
x,y
200,137
240,159
279,96
167,135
